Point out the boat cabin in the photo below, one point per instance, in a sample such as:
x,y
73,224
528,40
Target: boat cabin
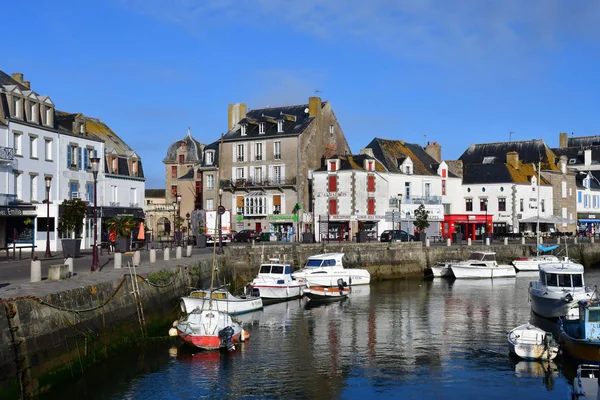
x,y
275,269
482,256
589,320
327,260
557,275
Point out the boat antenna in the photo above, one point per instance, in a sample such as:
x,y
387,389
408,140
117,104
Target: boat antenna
x,y
537,226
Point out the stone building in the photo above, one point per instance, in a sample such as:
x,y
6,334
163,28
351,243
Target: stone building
x,y
265,160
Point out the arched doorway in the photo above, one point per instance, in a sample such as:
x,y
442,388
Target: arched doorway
x,y
164,227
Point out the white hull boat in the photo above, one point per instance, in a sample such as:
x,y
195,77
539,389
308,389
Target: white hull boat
x,y
274,282
532,343
585,384
481,265
326,269
558,290
443,270
532,263
222,300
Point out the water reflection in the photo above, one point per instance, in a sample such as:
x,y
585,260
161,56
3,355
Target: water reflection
x,y
400,339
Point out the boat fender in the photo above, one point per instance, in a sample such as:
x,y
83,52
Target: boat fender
x,y
226,334
175,322
172,332
244,335
340,283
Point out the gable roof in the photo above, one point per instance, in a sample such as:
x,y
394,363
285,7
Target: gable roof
x,y
354,162
390,152
530,151
474,174
295,121
6,79
583,141
194,150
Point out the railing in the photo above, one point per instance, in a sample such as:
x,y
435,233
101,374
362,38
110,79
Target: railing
x,y
255,183
6,199
159,207
7,153
277,156
423,200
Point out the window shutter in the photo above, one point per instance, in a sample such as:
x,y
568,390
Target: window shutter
x,y
332,183
277,200
69,155
79,164
96,153
85,159
252,151
371,183
332,206
371,206
240,201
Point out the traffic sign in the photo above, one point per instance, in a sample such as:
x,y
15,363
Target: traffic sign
x,y
221,210
393,216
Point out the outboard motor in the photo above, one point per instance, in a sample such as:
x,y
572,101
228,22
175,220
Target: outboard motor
x,y
341,284
226,334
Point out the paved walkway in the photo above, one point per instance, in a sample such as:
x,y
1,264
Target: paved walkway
x,y
15,275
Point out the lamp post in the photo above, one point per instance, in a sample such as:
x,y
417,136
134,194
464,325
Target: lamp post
x,y
220,225
485,227
178,217
48,181
188,217
174,220
400,212
95,161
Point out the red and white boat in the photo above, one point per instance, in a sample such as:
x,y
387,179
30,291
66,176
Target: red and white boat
x,y
209,329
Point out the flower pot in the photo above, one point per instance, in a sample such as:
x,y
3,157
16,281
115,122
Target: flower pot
x,y
71,247
123,245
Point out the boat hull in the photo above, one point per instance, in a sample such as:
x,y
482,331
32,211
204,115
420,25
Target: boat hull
x,y
481,272
552,304
207,342
440,271
325,294
230,306
583,350
331,278
201,329
528,265
278,292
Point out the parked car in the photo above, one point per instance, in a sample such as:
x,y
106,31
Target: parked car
x,y
396,236
246,235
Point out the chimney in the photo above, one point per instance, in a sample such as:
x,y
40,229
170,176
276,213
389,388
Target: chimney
x,y
563,164
563,140
367,151
235,113
434,150
512,159
587,157
314,106
27,83
17,76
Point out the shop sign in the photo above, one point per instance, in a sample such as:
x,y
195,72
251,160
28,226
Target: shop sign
x,y
370,217
15,212
331,194
276,217
339,217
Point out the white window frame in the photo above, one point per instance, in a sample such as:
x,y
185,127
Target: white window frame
x,y
19,185
258,175
33,187
210,157
240,173
261,128
48,144
258,151
277,150
210,204
18,143
240,152
210,182
255,205
33,146
279,125
277,172
564,189
17,106
243,129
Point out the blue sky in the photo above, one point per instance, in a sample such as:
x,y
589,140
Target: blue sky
x,y
456,72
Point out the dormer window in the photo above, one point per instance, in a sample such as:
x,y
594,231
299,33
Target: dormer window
x,y
82,128
210,157
261,128
407,170
243,129
134,167
32,111
280,125
370,165
331,131
332,166
181,159
49,116
16,103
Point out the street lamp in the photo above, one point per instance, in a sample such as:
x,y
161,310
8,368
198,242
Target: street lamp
x,y
174,220
400,212
188,217
48,181
95,161
220,225
178,217
485,228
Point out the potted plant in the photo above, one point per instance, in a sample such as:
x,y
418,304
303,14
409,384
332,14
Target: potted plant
x,y
123,225
421,223
70,225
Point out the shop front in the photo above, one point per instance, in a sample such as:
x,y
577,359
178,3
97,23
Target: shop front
x,y
588,224
17,225
284,226
468,225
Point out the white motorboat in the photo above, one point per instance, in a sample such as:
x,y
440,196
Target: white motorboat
x,y
443,270
326,269
482,264
585,384
222,301
532,263
275,282
529,342
558,290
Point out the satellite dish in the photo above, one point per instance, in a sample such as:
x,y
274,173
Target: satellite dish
x,y
306,110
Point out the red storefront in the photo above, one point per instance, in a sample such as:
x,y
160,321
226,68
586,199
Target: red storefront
x,y
470,225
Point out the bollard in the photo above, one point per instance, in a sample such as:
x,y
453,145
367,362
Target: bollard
x,y
178,252
136,258
69,263
592,238
188,252
152,256
167,254
36,270
558,240
448,242
253,242
427,242
57,272
541,240
506,241
118,259
522,241
575,240
469,242
487,241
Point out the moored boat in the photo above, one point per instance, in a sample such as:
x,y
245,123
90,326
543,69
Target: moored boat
x,y
585,383
558,289
326,269
222,300
443,270
327,293
529,342
275,282
580,337
481,264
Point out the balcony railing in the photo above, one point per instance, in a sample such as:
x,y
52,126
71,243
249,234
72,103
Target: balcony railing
x,y
256,183
7,153
423,200
6,199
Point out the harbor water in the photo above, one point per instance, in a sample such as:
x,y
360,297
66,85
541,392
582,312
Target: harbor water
x,y
401,339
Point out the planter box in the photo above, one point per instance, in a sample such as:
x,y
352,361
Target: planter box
x,y
123,245
201,241
71,247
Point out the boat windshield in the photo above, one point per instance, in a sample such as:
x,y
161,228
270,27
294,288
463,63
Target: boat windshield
x,y
277,269
475,257
564,280
265,269
594,315
319,263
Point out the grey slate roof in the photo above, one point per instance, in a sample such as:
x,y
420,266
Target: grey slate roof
x,y
194,150
270,116
530,151
594,185
583,141
353,162
6,79
486,174
215,147
576,153
187,176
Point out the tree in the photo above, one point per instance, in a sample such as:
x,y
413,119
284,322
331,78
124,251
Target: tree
x,y
72,216
421,218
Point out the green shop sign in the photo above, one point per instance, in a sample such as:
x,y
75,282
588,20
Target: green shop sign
x,y
278,217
